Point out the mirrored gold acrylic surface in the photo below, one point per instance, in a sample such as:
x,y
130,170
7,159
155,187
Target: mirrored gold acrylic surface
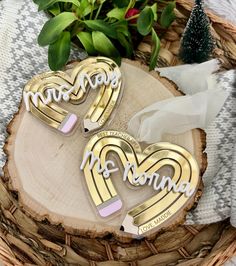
x,y
160,207
53,115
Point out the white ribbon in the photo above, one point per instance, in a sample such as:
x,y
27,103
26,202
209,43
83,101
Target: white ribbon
x,y
180,114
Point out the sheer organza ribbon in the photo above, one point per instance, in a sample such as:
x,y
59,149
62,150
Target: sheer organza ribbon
x,y
179,114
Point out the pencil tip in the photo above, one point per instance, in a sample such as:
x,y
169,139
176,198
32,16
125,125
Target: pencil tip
x,y
122,228
89,126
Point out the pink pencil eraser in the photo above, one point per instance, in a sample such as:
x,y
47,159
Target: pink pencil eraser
x,y
111,208
68,123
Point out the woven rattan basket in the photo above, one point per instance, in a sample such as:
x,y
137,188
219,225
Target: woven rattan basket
x,y
47,244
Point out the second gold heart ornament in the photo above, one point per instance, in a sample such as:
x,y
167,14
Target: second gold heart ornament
x,y
173,194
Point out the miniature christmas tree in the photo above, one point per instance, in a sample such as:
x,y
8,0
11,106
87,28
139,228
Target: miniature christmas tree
x,y
197,43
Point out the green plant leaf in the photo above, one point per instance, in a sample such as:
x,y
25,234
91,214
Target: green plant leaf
x,y
126,43
86,8
121,26
102,26
118,13
168,15
156,45
121,4
55,9
130,5
37,2
87,42
154,10
104,46
45,4
59,51
54,27
145,21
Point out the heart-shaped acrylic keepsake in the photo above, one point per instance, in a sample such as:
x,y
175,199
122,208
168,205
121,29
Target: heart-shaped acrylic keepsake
x,y
43,93
139,167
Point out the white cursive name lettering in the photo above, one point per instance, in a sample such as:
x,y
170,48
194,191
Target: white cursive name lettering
x,y
155,180
89,156
62,93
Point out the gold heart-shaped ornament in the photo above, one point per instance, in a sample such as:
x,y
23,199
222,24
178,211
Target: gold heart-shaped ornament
x,y
43,93
173,194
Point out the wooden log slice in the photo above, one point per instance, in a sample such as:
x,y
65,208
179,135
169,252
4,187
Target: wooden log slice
x,y
43,166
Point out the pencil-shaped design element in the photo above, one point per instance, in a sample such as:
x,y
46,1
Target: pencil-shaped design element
x,y
173,194
167,203
43,93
